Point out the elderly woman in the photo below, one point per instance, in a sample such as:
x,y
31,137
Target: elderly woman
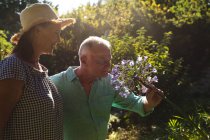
x,y
30,106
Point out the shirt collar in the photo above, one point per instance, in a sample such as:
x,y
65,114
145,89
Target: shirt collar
x,y
71,74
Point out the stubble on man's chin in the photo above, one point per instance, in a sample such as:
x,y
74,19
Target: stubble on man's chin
x,y
105,75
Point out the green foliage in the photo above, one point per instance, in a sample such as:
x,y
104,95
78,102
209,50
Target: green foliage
x,y
195,127
123,16
178,13
201,87
131,133
181,129
122,20
187,11
9,16
9,13
122,48
128,47
5,46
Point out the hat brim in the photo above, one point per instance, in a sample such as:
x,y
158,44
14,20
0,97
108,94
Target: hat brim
x,y
64,22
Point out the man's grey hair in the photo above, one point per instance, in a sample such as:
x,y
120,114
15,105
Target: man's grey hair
x,y
93,41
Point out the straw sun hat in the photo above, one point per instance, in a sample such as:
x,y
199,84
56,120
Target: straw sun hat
x,y
36,14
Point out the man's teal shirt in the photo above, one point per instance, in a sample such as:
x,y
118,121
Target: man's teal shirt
x,y
86,117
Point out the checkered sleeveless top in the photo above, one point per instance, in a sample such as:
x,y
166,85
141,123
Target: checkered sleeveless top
x,y
38,114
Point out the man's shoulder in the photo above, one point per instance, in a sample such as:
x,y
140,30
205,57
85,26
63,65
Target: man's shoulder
x,y
105,81
64,75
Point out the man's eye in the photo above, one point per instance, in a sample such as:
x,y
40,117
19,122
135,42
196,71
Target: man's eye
x,y
102,62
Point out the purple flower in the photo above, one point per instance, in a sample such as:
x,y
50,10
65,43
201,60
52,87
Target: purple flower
x,y
145,58
117,87
148,66
123,62
127,74
154,70
131,63
136,76
122,94
155,79
113,82
115,69
149,78
139,59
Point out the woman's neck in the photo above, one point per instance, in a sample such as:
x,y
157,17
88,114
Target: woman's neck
x,y
33,61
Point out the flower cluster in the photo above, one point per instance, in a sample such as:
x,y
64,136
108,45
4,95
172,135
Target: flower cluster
x,y
137,76
126,76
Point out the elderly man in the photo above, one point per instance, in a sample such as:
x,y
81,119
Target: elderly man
x,y
88,94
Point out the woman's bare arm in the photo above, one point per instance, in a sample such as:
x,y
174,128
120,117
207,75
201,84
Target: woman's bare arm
x,y
10,92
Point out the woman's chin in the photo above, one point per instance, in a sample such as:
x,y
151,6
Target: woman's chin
x,y
48,52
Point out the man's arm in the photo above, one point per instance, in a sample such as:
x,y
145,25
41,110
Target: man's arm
x,y
152,100
142,105
10,92
57,80
132,103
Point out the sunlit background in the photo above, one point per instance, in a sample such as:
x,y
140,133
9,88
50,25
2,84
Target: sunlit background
x,y
69,5
174,34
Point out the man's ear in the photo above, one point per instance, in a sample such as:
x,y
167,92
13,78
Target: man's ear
x,y
84,59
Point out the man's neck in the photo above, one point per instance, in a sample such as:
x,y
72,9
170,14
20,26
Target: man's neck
x,y
85,79
84,76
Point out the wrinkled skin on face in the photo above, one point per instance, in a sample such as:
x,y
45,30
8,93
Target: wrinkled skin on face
x,y
97,61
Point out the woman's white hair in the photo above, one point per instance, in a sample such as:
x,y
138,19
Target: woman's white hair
x,y
93,41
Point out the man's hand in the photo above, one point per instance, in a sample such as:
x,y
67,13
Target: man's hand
x,y
153,98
